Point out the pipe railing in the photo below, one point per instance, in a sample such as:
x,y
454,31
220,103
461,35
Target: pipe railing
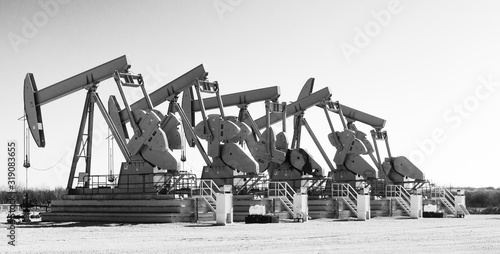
x,y
133,183
395,191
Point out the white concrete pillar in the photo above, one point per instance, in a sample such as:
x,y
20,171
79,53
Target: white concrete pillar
x,y
416,206
364,212
300,205
459,200
224,207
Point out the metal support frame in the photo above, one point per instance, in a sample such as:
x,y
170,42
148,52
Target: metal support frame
x,y
377,134
207,127
201,86
316,141
119,140
373,132
129,80
245,117
208,87
328,118
387,144
301,121
280,108
334,106
271,108
269,150
297,131
87,114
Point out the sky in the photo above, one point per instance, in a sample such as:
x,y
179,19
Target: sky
x,y
430,68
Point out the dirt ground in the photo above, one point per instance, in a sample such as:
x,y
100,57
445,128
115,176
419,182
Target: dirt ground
x,y
474,234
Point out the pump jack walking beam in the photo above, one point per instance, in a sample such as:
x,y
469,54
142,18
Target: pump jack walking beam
x,y
34,98
297,107
360,116
168,91
234,99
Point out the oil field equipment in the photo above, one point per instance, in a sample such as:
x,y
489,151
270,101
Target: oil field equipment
x,y
247,164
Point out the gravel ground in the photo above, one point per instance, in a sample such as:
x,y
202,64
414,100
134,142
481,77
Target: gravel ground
x,y
474,234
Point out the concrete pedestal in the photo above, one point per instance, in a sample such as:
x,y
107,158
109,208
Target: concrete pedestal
x,y
301,207
224,207
459,203
416,206
364,212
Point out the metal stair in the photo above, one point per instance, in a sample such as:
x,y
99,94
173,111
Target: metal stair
x,y
352,206
347,193
402,197
206,191
445,197
449,206
406,207
288,205
464,210
449,199
285,193
211,202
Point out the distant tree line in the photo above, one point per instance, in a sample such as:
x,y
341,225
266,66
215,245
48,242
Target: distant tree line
x,y
485,201
35,196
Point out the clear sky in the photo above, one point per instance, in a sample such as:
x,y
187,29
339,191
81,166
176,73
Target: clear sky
x,y
430,68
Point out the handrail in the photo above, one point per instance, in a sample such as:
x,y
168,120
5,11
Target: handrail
x,y
282,189
394,191
443,193
344,190
401,195
445,196
436,192
207,188
352,192
449,196
286,193
134,183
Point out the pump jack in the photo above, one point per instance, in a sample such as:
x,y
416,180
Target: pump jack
x,y
168,124
226,135
394,170
298,162
148,150
154,134
351,143
267,151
